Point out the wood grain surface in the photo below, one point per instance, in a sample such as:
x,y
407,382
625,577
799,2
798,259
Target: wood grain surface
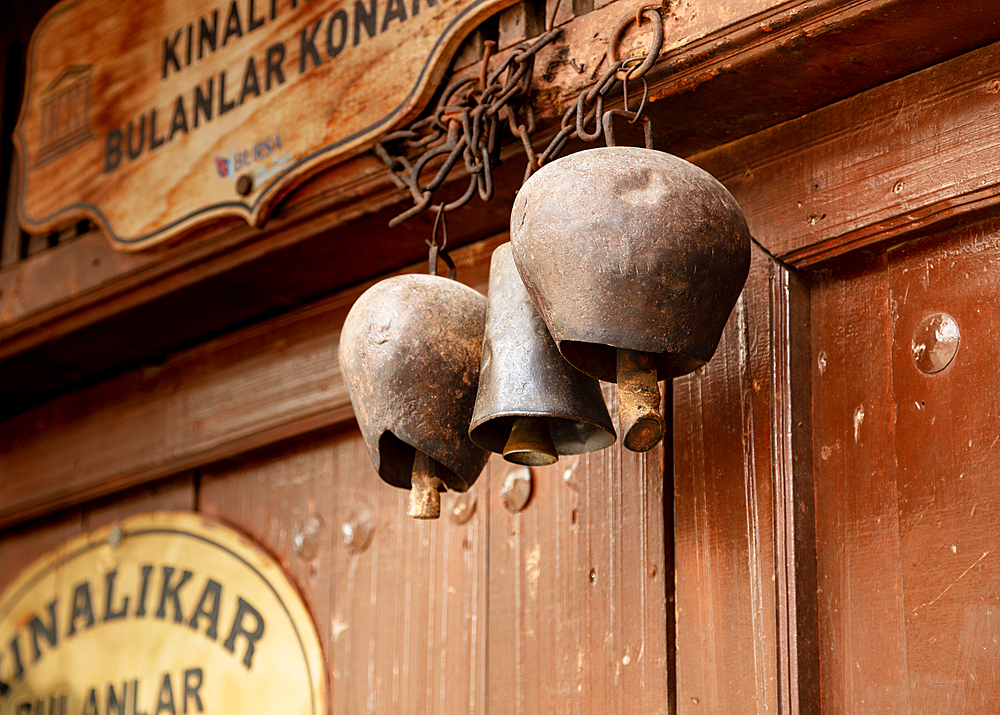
x,y
255,386
904,157
45,301
402,621
579,592
904,480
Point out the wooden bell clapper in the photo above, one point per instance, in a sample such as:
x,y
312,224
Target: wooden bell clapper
x,y
425,500
642,425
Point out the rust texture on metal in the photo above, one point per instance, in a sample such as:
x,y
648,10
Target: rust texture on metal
x,y
524,376
409,353
622,247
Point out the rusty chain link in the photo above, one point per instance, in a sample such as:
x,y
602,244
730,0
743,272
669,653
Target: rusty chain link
x,y
469,119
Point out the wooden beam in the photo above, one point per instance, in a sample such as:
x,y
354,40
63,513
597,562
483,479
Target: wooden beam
x,y
62,312
253,387
912,155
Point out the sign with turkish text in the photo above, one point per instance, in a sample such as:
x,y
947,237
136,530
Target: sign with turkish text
x,y
152,117
162,614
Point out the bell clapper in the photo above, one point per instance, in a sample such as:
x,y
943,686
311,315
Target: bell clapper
x,y
530,443
425,501
642,425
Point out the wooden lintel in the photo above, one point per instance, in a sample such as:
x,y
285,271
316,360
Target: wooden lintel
x,y
82,311
906,157
269,382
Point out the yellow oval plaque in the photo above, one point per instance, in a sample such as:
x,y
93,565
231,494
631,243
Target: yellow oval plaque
x,y
161,614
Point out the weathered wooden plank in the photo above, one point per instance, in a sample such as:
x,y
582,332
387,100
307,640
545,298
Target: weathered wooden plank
x,y
903,157
518,23
403,620
946,470
22,544
761,47
258,385
177,493
725,538
861,618
10,238
794,492
579,589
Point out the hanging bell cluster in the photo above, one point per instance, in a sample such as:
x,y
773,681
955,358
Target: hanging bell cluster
x,y
624,265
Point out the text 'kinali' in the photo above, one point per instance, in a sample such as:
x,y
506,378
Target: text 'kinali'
x,y
315,44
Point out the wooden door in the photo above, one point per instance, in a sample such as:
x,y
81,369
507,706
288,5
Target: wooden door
x,y
906,488
835,524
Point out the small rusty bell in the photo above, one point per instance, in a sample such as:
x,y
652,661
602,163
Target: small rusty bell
x,y
635,259
409,353
532,405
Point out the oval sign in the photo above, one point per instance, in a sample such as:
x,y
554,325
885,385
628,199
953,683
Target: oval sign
x,y
160,614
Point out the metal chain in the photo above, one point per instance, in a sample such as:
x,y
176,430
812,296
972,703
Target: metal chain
x,y
469,119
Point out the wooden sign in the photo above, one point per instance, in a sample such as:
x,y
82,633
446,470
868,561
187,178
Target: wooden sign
x,y
151,117
163,614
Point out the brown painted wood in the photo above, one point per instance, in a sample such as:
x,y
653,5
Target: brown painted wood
x,y
253,387
727,658
519,22
10,238
403,622
20,545
946,472
61,327
743,500
578,588
905,469
177,493
910,155
861,618
794,492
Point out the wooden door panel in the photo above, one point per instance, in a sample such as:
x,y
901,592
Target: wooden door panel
x,y
745,562
403,621
949,495
578,609
862,637
906,490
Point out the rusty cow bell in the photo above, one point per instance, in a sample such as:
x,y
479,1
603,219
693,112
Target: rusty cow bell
x,y
409,353
532,405
635,259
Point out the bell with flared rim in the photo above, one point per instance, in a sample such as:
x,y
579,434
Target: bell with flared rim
x,y
409,354
635,259
532,405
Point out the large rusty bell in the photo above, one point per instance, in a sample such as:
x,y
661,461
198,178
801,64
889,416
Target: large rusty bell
x,y
409,353
532,405
635,259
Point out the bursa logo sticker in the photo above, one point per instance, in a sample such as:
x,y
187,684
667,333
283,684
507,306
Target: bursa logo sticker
x,y
261,160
